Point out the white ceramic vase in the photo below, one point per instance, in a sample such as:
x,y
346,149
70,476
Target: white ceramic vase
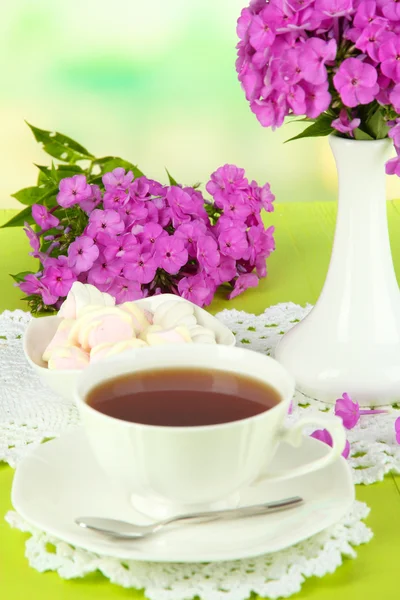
x,y
350,341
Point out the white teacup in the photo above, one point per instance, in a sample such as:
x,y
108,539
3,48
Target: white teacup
x,y
171,470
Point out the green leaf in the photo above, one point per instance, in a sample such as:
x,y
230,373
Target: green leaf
x,y
25,216
45,175
321,127
109,163
30,195
21,276
172,180
359,134
35,195
377,125
60,146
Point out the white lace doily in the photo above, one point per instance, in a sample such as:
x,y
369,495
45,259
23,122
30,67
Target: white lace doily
x,y
271,576
30,414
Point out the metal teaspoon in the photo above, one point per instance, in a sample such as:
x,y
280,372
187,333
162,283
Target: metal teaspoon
x,y
130,531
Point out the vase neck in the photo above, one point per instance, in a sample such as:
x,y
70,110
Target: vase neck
x,y
361,262
361,171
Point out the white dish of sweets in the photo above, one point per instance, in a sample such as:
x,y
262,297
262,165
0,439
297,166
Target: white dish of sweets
x,y
89,328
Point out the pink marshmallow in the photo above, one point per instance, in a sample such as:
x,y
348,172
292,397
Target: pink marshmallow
x,y
110,329
178,335
60,337
68,308
68,358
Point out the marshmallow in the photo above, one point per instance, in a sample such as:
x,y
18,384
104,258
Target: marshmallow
x,y
178,335
68,357
82,295
150,329
202,335
60,337
106,350
172,313
140,320
107,324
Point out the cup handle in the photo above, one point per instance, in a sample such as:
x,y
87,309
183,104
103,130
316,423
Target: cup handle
x,y
294,436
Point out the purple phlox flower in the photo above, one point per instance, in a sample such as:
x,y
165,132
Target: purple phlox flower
x,y
43,217
233,242
180,205
323,435
243,23
394,97
299,5
397,429
117,178
313,56
266,196
207,253
390,9
82,253
262,29
197,209
270,111
189,233
251,80
140,188
365,14
194,289
334,8
290,410
389,55
142,267
261,266
226,180
31,285
108,221
372,37
103,271
115,198
356,82
349,411
344,124
225,223
58,280
134,212
32,237
61,260
149,235
125,290
290,67
73,190
260,243
296,99
171,254
317,99
227,270
393,166
93,200
235,206
394,133
242,283
122,246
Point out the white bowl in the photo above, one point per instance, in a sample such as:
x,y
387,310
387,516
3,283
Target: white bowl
x,y
40,332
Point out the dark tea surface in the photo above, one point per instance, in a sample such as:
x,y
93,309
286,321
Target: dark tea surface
x,y
183,397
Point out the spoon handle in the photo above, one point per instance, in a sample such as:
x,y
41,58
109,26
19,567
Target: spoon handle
x,y
235,513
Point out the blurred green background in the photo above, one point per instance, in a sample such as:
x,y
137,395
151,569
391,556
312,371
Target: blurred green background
x,y
153,82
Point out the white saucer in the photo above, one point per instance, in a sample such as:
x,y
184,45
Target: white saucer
x,y
60,480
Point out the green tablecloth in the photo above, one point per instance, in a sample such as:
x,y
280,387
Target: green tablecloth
x,y
304,234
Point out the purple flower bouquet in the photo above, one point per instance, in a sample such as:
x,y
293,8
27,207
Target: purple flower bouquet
x,y
131,236
335,62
